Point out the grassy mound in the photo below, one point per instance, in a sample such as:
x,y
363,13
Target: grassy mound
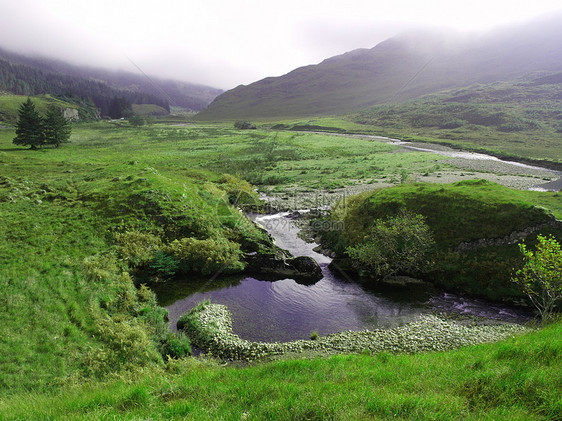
x,y
475,225
82,226
149,110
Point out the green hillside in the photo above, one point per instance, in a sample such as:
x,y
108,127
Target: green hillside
x,y
401,68
85,225
517,119
9,105
468,221
24,75
520,119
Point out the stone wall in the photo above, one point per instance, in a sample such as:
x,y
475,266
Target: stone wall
x,y
512,238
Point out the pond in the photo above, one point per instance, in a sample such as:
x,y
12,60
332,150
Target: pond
x,y
285,310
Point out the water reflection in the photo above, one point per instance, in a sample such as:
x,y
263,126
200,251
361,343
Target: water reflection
x,y
285,310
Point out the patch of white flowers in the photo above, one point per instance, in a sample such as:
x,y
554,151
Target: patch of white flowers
x,y
210,328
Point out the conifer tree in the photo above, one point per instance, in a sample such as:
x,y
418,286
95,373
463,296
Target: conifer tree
x,y
56,128
29,127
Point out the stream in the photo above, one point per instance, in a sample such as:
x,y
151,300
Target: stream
x,y
502,164
285,310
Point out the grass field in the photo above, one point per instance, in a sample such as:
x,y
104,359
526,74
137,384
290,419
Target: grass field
x,y
79,340
518,379
508,119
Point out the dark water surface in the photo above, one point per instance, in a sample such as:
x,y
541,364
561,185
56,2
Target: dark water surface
x,y
286,310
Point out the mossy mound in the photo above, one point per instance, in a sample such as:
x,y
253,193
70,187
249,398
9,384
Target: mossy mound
x,y
476,225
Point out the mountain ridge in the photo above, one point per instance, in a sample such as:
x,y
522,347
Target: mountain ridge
x,y
173,92
400,68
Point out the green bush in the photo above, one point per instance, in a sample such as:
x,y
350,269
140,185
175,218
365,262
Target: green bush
x,y
137,248
175,346
398,244
163,265
244,125
540,278
239,192
206,256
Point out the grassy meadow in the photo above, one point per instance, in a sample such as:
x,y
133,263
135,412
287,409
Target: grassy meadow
x,y
82,339
520,120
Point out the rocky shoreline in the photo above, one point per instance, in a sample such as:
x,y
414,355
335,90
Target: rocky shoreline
x,y
209,327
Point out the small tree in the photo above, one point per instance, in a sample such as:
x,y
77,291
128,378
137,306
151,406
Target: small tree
x,y
541,275
136,120
396,244
244,125
29,127
56,128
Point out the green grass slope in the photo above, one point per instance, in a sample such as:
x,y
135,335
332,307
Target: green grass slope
x,y
9,105
77,225
464,212
518,379
515,119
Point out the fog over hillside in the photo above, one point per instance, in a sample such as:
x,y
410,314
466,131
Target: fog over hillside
x,y
225,44
403,67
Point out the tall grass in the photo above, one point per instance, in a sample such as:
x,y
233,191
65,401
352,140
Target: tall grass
x,y
518,379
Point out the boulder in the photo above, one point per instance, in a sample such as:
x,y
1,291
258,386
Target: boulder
x,y
278,266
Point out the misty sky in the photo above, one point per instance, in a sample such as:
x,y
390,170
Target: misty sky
x,y
224,43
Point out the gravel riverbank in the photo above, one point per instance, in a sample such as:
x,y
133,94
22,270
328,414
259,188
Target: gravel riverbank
x,y
457,166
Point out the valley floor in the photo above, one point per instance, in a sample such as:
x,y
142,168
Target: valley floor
x,y
79,341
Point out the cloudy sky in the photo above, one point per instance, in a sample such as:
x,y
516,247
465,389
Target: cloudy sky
x,y
224,43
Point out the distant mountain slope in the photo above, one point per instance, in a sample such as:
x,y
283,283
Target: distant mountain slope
x,y
9,105
398,69
33,76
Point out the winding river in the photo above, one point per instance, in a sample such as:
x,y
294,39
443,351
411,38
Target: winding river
x,y
286,310
502,165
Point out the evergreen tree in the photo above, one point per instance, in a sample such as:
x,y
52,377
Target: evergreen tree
x,y
29,127
56,128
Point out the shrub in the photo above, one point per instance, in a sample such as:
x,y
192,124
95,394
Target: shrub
x,y
244,125
541,276
175,345
395,244
206,256
136,120
239,192
137,248
100,268
163,265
